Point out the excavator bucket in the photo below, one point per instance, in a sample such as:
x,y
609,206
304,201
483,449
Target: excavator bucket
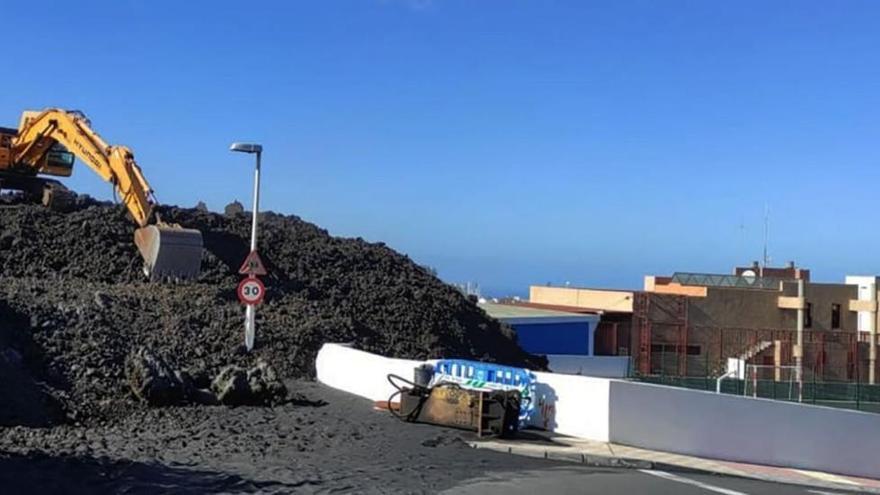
x,y
169,251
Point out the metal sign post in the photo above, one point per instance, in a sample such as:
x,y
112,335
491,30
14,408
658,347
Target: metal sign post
x,y
250,311
250,292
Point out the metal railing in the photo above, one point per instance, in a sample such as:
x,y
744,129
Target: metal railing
x,y
843,395
720,280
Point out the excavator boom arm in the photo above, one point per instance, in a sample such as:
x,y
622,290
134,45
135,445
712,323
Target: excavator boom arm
x,y
168,250
40,130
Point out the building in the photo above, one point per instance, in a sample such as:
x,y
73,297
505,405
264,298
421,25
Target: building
x,y
692,324
866,319
566,338
547,331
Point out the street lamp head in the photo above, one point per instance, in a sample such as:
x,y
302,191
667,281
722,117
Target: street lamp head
x,y
246,147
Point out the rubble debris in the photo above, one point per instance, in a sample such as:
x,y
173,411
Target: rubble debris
x,y
258,385
76,280
231,385
233,209
265,386
152,380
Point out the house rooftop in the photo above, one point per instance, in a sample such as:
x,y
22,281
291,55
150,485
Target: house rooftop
x,y
518,311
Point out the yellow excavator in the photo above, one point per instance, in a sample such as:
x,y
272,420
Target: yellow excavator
x,y
47,143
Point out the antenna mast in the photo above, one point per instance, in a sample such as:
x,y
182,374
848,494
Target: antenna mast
x,y
766,238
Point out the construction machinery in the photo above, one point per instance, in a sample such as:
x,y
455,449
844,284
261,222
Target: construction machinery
x,y
47,143
488,413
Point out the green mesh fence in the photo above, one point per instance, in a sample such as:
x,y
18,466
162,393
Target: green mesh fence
x,y
845,395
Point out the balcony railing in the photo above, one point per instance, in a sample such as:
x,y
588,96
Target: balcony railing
x,y
719,280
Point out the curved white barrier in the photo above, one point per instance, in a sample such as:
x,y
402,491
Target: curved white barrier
x,y
359,372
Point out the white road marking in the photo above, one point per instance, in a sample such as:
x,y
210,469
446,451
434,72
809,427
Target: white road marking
x,y
820,492
687,481
826,477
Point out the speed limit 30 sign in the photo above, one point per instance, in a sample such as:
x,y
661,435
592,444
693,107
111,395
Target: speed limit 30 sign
x,y
251,291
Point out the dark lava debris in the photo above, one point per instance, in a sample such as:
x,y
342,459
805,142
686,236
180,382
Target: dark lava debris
x,y
74,305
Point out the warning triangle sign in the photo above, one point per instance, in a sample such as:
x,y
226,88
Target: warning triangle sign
x,y
252,265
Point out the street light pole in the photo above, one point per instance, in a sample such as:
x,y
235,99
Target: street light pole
x,y
250,312
256,202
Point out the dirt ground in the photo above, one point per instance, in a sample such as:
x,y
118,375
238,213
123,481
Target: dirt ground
x,y
325,441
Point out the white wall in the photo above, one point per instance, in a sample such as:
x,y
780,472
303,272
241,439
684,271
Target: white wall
x,y
743,429
867,285
573,405
737,367
600,366
584,412
359,372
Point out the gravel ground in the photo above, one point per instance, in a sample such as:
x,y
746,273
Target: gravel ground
x,y
324,442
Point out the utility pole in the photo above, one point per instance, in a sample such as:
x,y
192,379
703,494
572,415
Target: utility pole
x,y
766,239
872,339
799,348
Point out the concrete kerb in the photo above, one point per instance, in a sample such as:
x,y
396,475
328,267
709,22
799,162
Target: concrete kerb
x,y
562,453
568,454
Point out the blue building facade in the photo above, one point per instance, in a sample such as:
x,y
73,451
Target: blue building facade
x,y
548,332
555,338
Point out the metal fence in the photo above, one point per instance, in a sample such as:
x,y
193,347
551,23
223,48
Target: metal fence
x,y
856,396
719,280
836,363
702,351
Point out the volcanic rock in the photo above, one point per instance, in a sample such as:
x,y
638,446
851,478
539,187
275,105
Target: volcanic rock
x,y
152,380
259,385
233,209
76,305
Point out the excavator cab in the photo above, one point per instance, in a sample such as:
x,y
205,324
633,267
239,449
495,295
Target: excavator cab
x,y
57,161
6,137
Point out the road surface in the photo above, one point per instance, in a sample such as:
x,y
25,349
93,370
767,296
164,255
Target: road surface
x,y
604,481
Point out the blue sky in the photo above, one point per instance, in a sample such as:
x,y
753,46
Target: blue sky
x,y
503,142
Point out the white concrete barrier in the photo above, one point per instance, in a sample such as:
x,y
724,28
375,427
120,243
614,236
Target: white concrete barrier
x,y
573,405
735,428
359,372
601,366
662,418
583,413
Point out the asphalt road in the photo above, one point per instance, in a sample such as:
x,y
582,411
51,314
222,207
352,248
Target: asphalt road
x,y
604,481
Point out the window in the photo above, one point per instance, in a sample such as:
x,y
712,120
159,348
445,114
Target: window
x,y
835,316
808,315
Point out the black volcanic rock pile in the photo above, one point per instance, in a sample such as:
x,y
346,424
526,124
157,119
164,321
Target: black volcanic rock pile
x,y
74,304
